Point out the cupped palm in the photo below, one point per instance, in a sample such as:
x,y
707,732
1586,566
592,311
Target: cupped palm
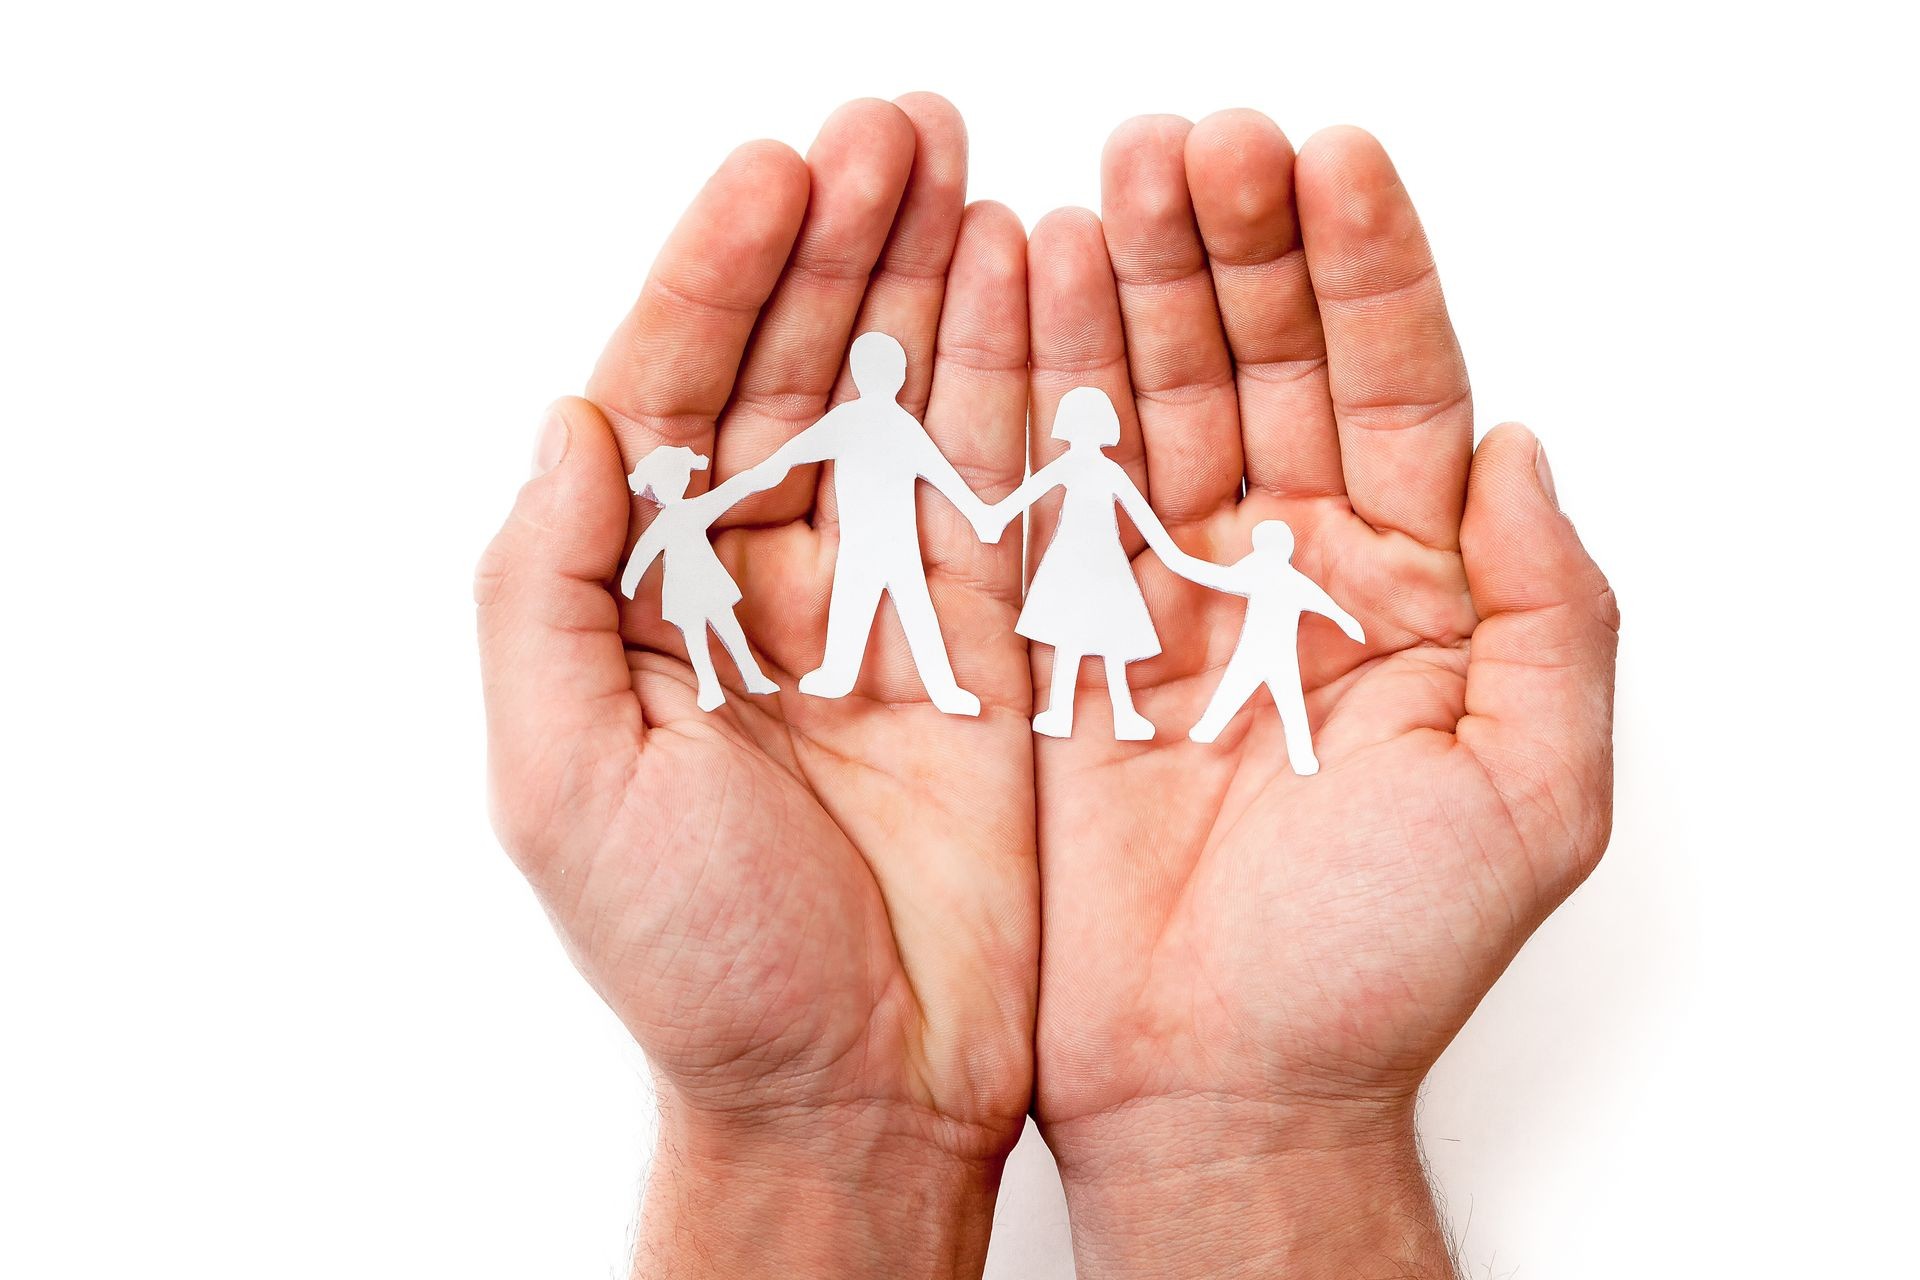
x,y
1219,930
797,905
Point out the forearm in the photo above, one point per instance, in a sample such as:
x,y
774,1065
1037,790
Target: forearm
x,y
1198,1188
833,1195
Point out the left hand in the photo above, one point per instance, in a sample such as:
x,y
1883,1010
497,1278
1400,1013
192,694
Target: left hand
x,y
1246,974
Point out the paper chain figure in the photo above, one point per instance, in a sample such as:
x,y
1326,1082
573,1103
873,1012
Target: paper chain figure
x,y
1083,601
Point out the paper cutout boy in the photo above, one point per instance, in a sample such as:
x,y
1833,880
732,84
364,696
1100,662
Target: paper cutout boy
x,y
696,591
1269,650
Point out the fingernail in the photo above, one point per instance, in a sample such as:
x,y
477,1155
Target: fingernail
x,y
552,444
1546,474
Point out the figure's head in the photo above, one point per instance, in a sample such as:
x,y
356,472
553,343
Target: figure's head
x,y
1274,536
879,366
1086,417
663,474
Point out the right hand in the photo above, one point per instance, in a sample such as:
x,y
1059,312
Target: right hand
x,y
818,918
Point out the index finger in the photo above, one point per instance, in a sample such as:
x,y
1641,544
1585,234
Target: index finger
x,y
1394,369
670,366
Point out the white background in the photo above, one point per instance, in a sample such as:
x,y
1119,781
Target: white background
x,y
285,290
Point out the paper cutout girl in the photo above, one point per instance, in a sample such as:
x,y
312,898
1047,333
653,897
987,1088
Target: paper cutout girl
x,y
1083,599
696,591
1269,649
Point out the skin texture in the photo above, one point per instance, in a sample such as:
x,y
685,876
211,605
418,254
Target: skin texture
x,y
1247,974
821,918
818,917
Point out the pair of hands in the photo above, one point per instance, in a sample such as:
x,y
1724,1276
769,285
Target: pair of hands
x,y
822,919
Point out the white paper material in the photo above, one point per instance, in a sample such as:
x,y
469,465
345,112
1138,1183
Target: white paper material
x,y
880,453
1083,601
696,591
1269,648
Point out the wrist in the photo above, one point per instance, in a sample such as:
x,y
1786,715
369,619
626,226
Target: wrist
x,y
845,1191
1191,1187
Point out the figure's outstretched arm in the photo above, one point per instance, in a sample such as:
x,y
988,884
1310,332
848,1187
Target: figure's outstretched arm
x,y
645,552
715,502
1001,513
816,443
1147,521
1217,577
946,478
1318,601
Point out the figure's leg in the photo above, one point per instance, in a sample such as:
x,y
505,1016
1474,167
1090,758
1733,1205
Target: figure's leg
x,y
1285,685
1057,720
708,694
914,603
849,623
727,627
1237,683
1128,725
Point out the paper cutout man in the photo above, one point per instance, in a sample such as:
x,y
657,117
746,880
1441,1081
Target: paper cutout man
x,y
1269,651
696,591
880,453
1083,599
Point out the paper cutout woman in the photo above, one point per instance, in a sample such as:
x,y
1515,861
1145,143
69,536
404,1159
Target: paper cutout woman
x,y
1083,599
696,591
1269,649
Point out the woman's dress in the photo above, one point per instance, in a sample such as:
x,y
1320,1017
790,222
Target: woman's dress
x,y
694,585
1083,598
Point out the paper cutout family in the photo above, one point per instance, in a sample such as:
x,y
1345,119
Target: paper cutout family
x,y
1083,600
